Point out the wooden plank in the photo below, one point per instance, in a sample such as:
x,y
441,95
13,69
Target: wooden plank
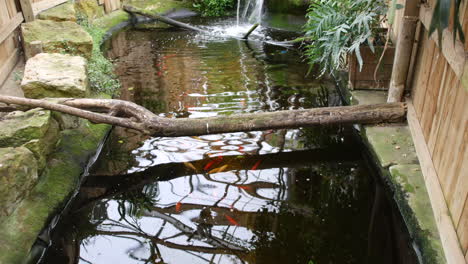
x,y
439,117
11,6
44,5
454,52
462,229
459,188
27,9
8,66
6,30
449,238
426,63
432,92
455,184
111,5
440,154
454,140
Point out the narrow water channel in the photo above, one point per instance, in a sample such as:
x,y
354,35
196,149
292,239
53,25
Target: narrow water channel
x,y
301,196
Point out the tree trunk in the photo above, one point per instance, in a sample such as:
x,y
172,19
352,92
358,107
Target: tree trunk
x,y
164,19
130,115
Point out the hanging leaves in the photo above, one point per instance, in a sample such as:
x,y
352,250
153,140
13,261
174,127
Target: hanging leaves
x,y
441,17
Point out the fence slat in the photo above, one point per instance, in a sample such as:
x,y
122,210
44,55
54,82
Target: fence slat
x,y
26,7
6,30
8,66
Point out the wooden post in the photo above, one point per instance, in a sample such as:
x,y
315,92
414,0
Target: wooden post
x,y
27,9
404,51
402,59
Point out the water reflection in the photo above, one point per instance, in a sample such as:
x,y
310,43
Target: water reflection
x,y
283,196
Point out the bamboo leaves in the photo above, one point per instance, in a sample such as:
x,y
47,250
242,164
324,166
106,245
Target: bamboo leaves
x,y
441,16
338,28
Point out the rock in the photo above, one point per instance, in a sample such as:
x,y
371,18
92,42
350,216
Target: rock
x,y
164,7
55,37
89,9
63,12
55,75
34,129
18,174
116,19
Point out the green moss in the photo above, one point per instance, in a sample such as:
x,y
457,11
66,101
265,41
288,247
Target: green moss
x,y
63,12
100,70
89,9
414,203
57,183
391,145
57,37
111,20
159,6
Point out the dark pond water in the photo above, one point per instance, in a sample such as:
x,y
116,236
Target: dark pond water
x,y
287,196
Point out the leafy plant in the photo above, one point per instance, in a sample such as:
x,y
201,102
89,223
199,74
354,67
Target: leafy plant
x,y
441,17
100,70
213,8
337,28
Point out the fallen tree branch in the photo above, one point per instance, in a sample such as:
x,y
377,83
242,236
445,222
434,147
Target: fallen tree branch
x,y
164,19
246,36
130,115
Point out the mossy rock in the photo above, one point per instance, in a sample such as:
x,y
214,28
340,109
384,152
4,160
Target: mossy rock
x,y
391,145
55,37
18,174
63,12
55,75
89,9
34,129
56,184
112,20
160,6
413,200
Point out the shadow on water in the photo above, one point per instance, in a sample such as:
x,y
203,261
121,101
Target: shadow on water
x,y
286,196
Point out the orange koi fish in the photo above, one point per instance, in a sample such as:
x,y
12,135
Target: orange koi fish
x,y
231,220
190,166
208,165
220,169
255,166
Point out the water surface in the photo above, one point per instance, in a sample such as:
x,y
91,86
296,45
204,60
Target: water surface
x,y
279,196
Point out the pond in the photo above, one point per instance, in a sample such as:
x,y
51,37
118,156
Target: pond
x,y
280,196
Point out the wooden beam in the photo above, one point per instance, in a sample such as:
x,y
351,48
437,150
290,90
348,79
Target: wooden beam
x,y
27,9
454,52
46,4
10,63
6,30
448,236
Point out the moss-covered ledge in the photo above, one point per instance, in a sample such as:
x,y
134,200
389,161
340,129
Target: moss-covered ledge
x,y
392,151
57,183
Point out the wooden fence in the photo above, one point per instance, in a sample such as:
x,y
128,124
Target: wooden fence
x,y
15,12
438,118
10,19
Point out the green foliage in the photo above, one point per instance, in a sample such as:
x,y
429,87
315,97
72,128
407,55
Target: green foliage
x,y
213,8
337,28
441,16
100,70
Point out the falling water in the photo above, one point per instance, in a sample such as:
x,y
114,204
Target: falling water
x,y
252,12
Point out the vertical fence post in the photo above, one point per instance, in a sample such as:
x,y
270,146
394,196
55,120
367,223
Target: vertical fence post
x,y
403,51
27,9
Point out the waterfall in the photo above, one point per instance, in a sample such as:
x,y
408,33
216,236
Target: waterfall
x,y
252,13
